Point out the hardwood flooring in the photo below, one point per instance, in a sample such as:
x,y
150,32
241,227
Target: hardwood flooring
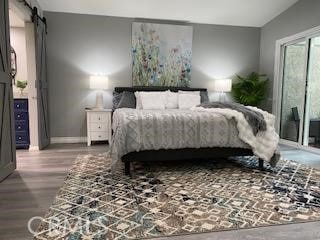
x,y
30,190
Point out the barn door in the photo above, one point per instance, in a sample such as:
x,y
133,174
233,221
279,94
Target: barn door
x,y
7,139
41,83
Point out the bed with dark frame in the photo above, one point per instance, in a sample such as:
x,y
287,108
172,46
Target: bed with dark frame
x,y
178,154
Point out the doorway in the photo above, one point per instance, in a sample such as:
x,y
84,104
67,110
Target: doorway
x,y
297,90
23,75
30,106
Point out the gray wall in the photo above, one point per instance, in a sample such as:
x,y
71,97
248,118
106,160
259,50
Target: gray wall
x,y
303,15
81,45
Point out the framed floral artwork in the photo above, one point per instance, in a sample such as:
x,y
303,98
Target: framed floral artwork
x,y
161,54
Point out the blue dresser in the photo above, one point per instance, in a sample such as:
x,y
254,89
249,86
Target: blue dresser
x,y
21,115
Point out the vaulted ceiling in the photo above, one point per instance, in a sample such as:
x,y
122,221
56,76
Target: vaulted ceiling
x,y
253,13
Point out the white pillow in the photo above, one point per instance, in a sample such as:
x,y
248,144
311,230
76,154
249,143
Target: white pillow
x,y
153,100
138,100
187,101
189,92
172,100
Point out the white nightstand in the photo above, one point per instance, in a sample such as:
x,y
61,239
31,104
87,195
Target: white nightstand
x,y
98,125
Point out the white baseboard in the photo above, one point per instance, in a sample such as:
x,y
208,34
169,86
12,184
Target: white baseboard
x,y
33,148
68,139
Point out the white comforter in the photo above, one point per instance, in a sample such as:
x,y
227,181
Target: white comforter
x,y
137,130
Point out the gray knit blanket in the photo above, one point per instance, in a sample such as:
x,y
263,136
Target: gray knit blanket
x,y
254,119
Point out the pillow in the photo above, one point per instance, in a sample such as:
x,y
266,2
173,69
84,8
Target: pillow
x,y
116,99
128,100
172,101
138,100
153,100
187,101
190,92
138,97
203,94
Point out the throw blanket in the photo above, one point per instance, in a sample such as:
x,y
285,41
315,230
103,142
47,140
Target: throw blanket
x,y
254,118
264,144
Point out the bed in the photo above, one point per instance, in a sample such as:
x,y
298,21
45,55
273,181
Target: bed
x,y
173,134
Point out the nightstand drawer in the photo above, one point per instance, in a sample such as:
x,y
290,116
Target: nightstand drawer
x,y
97,136
98,127
98,117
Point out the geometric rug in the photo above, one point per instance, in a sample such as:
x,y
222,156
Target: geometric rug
x,y
176,198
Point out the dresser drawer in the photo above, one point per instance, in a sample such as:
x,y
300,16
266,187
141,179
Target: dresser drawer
x,y
98,117
22,137
97,127
21,104
21,115
98,136
22,126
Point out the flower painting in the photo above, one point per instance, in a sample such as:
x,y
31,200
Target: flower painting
x,y
161,54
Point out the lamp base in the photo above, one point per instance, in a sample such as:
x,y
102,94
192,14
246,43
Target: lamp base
x,y
99,101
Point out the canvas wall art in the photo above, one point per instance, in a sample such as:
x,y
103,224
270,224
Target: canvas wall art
x,y
161,54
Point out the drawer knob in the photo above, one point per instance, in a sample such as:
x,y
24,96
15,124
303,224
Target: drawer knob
x,y
18,115
18,105
19,127
19,138
99,118
99,127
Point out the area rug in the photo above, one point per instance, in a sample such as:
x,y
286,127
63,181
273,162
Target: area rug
x,y
176,198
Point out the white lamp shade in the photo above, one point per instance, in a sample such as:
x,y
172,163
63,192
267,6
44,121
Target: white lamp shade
x,y
99,82
223,85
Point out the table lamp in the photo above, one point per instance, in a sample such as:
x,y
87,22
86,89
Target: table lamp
x,y
222,86
99,83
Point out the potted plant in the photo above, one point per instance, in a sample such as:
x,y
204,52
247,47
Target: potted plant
x,y
21,85
250,90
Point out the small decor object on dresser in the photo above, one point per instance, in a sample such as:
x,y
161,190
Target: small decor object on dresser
x,y
21,115
98,125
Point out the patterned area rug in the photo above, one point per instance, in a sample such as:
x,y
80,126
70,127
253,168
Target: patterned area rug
x,y
179,198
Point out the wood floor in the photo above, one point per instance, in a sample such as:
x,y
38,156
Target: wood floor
x,y
30,190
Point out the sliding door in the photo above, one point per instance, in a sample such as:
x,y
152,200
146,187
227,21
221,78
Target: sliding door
x,y
293,91
311,136
300,92
42,84
7,140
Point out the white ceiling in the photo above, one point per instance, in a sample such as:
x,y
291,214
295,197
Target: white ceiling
x,y
253,13
15,20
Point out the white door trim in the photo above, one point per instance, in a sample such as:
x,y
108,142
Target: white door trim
x,y
32,94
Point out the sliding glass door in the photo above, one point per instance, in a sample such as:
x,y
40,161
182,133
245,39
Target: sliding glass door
x,y
293,90
300,101
311,135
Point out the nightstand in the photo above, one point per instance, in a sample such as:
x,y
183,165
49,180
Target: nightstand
x,y
98,125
